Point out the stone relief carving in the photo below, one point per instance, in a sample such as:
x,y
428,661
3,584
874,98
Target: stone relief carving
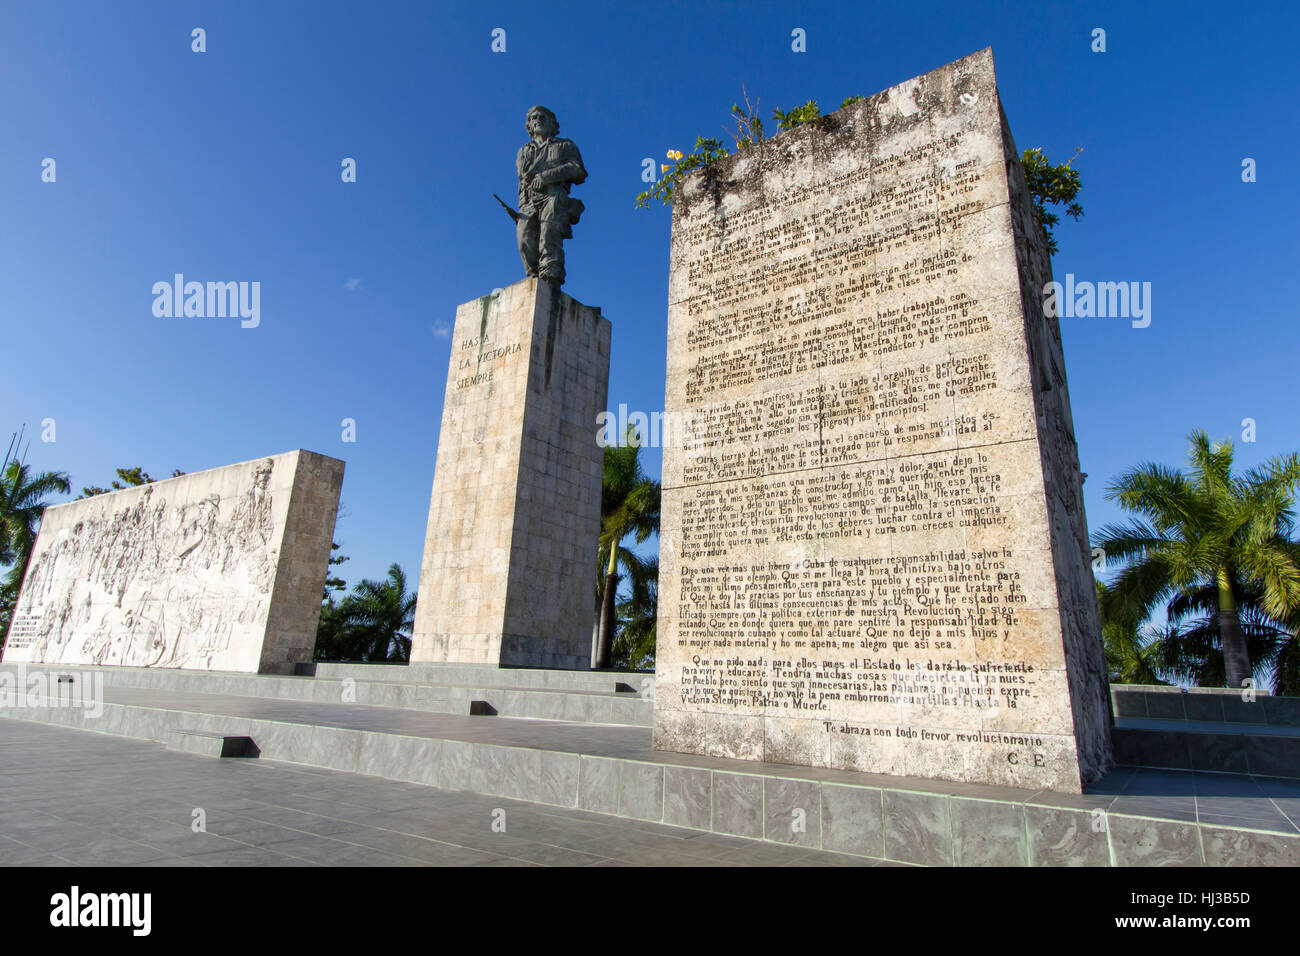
x,y
157,583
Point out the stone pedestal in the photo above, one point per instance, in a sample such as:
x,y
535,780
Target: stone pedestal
x,y
509,568
874,554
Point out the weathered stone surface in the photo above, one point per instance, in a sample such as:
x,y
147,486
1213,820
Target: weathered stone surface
x,y
873,550
510,551
215,570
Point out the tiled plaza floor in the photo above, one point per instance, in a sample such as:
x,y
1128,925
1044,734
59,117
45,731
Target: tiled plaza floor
x,y
73,798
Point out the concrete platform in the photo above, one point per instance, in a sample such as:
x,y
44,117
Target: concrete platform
x,y
70,798
1134,816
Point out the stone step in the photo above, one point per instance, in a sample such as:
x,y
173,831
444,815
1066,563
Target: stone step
x,y
1204,705
591,708
209,744
1206,746
482,675
506,692
587,706
632,684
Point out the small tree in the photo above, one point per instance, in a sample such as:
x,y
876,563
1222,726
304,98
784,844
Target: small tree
x,y
129,478
1052,185
373,623
334,583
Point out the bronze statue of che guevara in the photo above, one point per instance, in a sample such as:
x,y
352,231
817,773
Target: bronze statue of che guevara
x,y
547,166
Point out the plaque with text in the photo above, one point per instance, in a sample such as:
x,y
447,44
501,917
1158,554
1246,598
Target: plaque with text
x,y
874,554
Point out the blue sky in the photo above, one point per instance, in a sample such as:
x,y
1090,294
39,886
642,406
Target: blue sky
x,y
225,166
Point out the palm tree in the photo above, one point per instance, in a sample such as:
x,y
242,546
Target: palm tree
x,y
629,505
22,501
1131,656
1191,648
331,638
373,623
634,645
1207,528
1286,669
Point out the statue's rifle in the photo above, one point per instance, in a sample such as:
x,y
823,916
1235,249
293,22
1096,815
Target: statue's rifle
x,y
513,213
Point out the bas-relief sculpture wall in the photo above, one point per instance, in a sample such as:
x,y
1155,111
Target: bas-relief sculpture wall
x,y
216,570
873,548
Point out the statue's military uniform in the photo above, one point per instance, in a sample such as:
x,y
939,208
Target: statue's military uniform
x,y
546,217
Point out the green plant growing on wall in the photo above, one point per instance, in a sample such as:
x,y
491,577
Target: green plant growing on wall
x,y
1055,185
749,125
807,113
748,131
707,150
1049,185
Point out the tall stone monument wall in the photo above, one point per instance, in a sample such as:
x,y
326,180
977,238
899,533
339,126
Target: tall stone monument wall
x,y
873,546
215,570
509,566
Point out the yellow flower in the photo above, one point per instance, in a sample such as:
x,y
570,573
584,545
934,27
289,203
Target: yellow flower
x,y
663,168
674,154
